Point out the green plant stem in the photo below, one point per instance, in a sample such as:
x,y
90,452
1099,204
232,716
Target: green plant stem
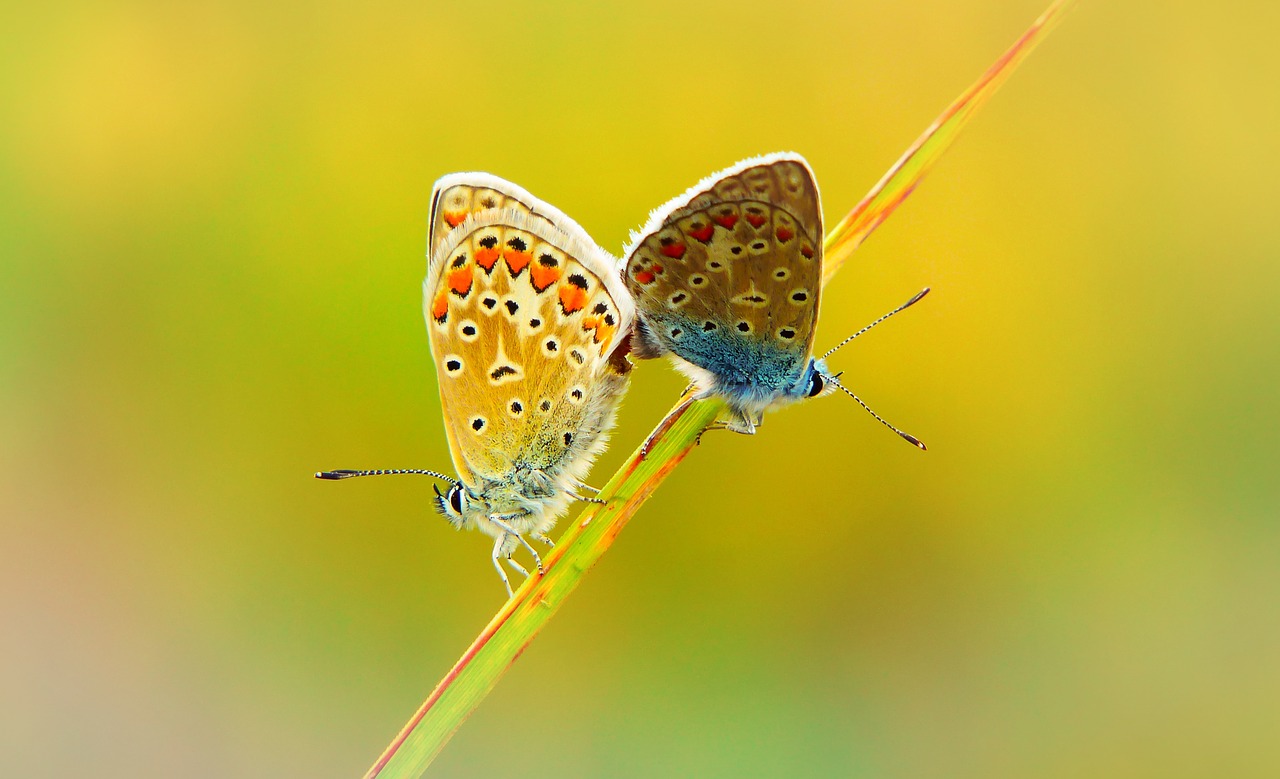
x,y
593,531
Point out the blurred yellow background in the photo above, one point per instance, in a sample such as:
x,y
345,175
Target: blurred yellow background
x,y
212,221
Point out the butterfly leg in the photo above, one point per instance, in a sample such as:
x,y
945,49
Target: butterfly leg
x,y
544,540
517,566
497,565
708,429
580,486
583,486
743,423
497,520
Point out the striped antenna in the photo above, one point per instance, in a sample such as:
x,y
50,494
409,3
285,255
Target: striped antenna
x,y
910,438
903,307
349,474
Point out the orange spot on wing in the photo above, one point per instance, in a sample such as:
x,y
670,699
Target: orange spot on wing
x,y
543,277
486,258
593,323
726,221
644,277
440,306
460,280
572,298
516,261
674,250
704,234
454,218
807,251
602,329
783,234
755,219
656,269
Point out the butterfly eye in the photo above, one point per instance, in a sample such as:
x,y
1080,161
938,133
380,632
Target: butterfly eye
x,y
816,385
455,498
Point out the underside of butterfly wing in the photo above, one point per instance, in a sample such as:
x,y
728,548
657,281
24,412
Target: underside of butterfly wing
x,y
525,323
460,195
726,278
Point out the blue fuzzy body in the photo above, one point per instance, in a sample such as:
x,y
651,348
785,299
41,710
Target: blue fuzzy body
x,y
750,374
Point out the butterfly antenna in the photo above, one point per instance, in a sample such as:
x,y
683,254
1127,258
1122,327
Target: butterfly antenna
x,y
349,474
910,438
903,307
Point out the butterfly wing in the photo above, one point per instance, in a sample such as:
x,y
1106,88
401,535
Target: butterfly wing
x,y
525,319
459,195
727,276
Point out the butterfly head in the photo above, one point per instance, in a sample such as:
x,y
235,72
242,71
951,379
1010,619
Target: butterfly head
x,y
816,381
453,503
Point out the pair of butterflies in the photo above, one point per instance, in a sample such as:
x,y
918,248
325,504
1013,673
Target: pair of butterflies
x,y
531,323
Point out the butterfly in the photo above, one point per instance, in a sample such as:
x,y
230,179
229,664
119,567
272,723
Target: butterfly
x,y
529,325
726,280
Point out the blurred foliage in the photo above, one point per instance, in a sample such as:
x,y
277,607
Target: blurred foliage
x,y
211,234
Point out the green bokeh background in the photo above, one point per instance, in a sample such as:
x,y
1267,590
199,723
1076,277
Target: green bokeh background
x,y
211,239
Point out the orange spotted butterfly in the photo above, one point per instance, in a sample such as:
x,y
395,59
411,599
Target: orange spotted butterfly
x,y
529,324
